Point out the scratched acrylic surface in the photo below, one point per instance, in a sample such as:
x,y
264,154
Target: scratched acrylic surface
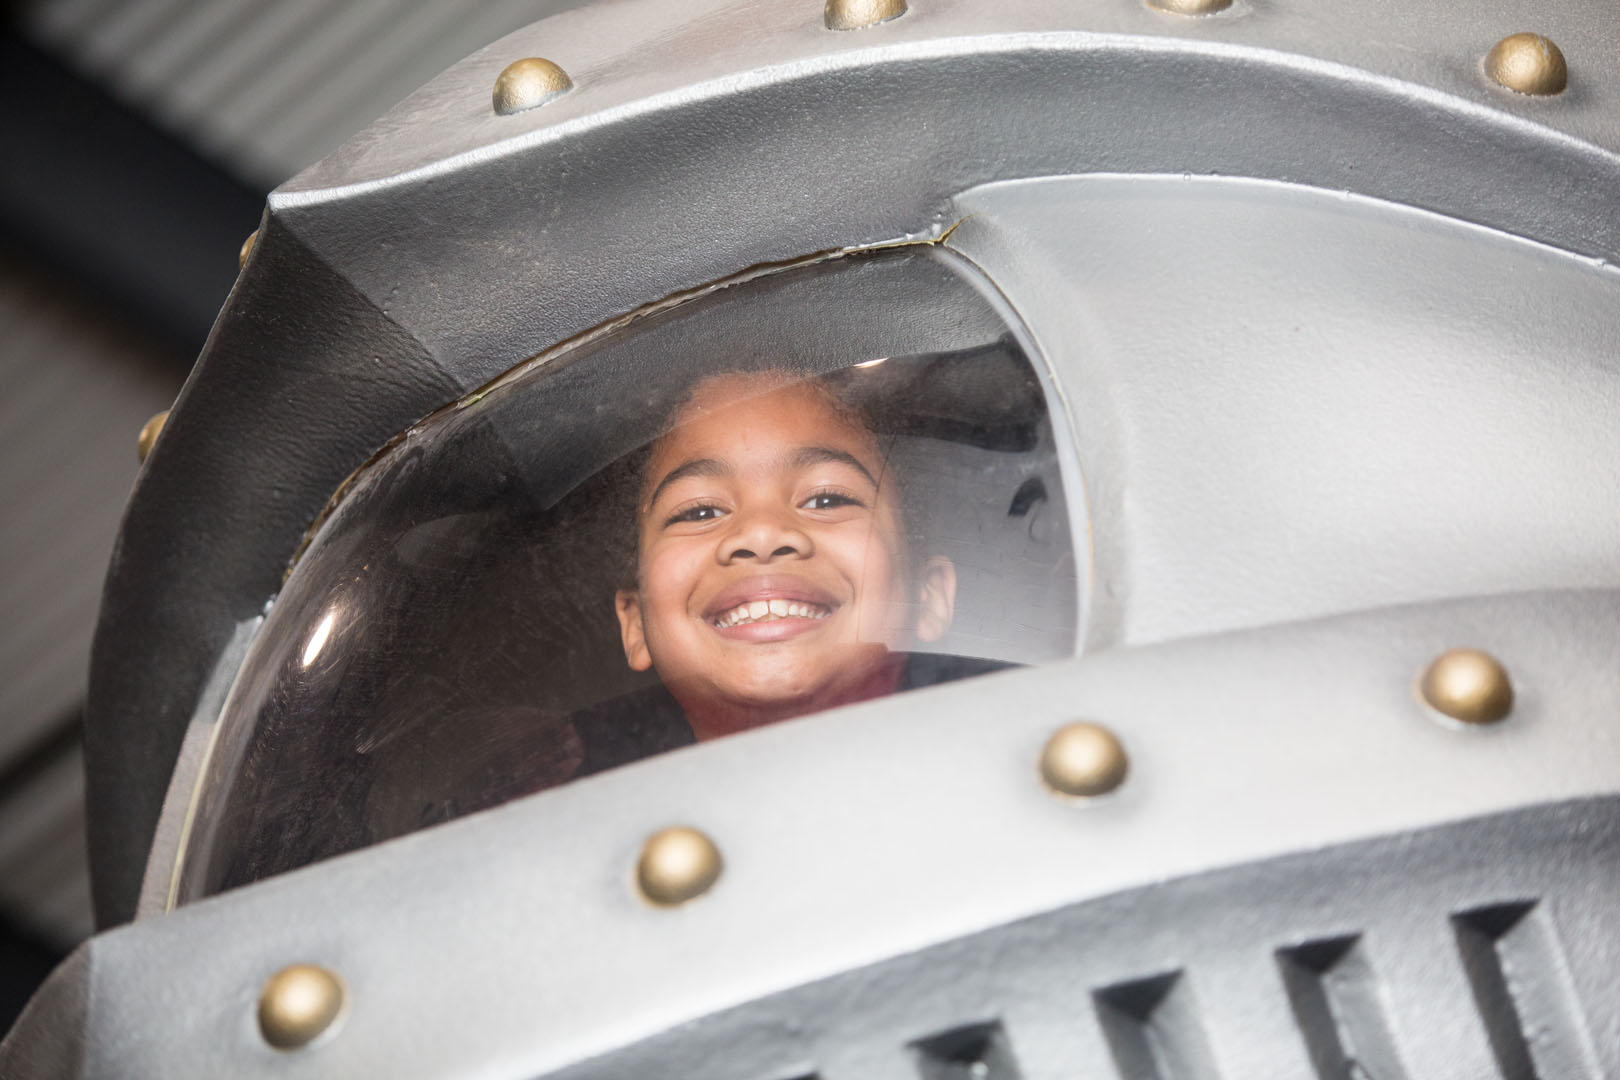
x,y
815,487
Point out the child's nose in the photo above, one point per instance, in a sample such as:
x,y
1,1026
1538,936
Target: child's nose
x,y
764,535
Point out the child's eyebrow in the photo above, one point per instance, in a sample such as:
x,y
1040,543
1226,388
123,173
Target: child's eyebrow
x,y
807,456
695,467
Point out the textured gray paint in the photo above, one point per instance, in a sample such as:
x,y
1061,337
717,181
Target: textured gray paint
x,y
442,247
310,380
723,48
585,225
709,139
1066,989
900,825
1291,403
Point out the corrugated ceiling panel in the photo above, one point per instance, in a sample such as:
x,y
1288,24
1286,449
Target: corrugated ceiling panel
x,y
77,393
265,89
44,875
269,88
78,389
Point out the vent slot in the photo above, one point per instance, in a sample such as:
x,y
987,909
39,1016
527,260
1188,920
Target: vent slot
x,y
1334,994
1524,992
1153,1029
973,1052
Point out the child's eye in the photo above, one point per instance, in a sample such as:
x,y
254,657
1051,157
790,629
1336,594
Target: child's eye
x,y
700,512
829,500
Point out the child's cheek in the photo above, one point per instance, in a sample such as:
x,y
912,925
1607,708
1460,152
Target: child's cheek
x,y
882,619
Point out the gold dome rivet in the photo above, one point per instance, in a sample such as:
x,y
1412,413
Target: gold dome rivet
x,y
1190,7
149,434
529,83
1083,759
246,249
855,14
298,1004
1467,685
1527,63
677,864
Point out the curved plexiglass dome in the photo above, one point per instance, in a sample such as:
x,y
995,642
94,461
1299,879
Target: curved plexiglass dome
x,y
808,488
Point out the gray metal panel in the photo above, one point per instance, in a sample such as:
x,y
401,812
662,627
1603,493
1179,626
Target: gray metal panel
x,y
1292,403
591,201
1343,964
705,140
204,546
874,831
721,47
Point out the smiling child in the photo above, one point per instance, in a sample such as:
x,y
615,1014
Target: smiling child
x,y
773,572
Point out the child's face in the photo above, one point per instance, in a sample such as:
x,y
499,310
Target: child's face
x,y
772,567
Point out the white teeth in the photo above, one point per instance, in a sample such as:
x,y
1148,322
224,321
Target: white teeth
x,y
769,610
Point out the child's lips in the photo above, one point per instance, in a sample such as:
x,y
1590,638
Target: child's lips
x,y
769,609
781,629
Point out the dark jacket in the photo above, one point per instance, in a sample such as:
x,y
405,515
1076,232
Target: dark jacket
x,y
650,721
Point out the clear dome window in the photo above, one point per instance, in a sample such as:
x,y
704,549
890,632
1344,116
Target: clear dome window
x,y
817,486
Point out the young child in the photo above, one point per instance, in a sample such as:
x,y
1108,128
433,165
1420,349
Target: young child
x,y
774,576
771,574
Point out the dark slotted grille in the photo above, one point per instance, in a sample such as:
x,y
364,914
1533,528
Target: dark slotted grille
x,y
1522,985
1154,1031
1394,959
1334,994
971,1052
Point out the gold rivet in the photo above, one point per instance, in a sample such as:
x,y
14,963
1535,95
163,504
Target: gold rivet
x,y
528,83
1467,685
1083,759
149,434
1190,7
677,864
246,249
298,1004
855,14
1528,63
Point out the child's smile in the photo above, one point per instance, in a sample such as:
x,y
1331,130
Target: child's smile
x,y
772,572
770,608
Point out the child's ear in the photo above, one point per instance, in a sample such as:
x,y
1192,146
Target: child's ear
x,y
633,632
936,598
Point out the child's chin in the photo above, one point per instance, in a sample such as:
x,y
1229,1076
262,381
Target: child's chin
x,y
775,693
805,688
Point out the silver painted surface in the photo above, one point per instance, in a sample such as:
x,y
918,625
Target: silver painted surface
x,y
1292,403
867,833
702,141
723,47
1356,962
743,116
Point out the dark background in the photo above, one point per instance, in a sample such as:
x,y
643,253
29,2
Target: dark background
x,y
141,137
